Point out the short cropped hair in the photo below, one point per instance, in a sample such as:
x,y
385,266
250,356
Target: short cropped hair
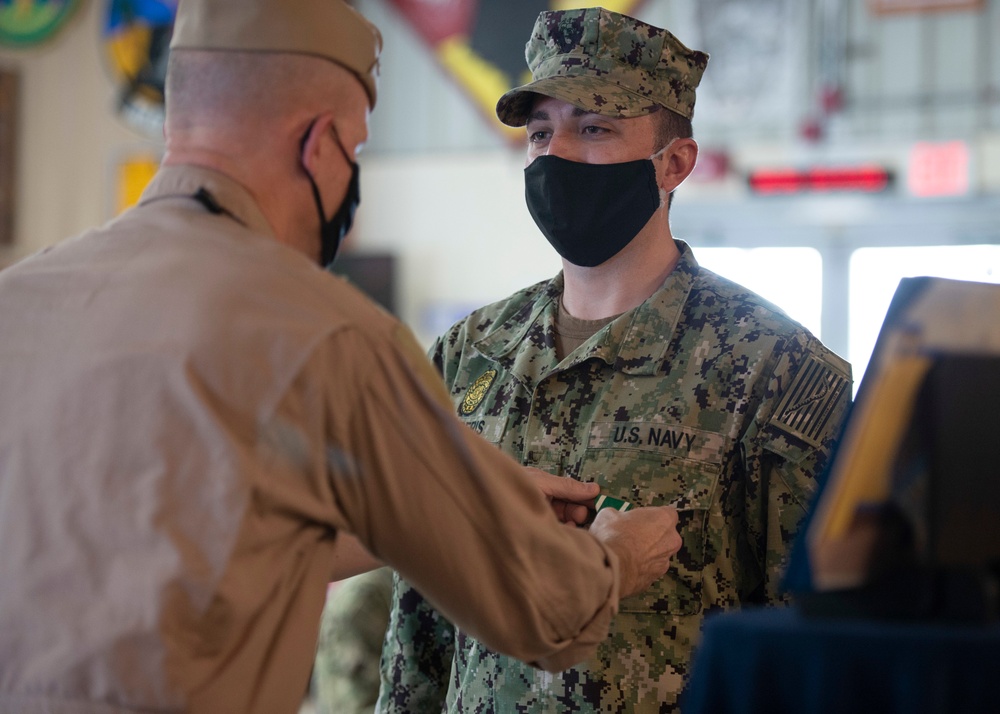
x,y
669,126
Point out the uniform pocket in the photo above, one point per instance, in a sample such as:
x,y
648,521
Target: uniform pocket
x,y
647,479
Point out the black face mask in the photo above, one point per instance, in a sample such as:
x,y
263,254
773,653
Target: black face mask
x,y
590,212
332,231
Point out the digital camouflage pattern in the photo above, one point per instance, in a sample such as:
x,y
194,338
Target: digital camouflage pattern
x,y
705,397
606,63
346,673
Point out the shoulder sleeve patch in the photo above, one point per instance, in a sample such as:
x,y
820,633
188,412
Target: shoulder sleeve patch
x,y
811,400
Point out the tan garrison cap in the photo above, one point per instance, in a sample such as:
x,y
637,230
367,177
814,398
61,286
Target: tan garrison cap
x,y
324,28
607,63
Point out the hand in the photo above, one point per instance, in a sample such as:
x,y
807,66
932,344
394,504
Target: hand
x,y
644,539
569,498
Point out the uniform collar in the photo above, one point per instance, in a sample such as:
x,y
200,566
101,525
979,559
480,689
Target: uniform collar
x,y
523,342
634,343
232,197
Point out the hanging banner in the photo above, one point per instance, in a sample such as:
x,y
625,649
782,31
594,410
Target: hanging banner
x,y
480,43
28,22
137,43
133,173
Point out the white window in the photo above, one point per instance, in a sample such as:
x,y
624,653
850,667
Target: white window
x,y
791,278
876,272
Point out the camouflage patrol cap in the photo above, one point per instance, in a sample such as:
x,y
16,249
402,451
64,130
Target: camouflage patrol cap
x,y
607,63
324,28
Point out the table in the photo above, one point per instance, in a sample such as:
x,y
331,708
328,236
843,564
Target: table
x,y
779,661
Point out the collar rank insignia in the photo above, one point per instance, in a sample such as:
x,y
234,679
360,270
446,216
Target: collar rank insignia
x,y
477,392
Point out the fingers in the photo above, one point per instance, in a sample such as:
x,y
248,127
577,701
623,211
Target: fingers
x,y
606,523
564,488
575,513
675,542
645,539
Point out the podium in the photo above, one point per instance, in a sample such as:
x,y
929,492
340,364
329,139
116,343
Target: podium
x,y
906,524
779,661
896,572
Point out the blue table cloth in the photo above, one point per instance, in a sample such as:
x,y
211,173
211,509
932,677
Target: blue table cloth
x,y
778,661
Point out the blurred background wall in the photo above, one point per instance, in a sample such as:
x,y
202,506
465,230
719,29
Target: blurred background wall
x,y
845,144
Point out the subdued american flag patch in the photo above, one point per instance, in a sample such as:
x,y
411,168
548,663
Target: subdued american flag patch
x,y
808,405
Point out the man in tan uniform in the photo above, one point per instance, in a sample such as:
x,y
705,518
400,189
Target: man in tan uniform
x,y
194,412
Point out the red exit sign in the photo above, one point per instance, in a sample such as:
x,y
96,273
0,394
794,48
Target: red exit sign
x,y
868,178
938,169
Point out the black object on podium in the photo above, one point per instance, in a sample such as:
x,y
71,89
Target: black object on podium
x,y
935,552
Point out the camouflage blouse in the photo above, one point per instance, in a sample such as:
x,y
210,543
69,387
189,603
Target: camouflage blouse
x,y
705,397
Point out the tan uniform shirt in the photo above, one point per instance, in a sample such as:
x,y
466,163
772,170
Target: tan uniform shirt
x,y
190,411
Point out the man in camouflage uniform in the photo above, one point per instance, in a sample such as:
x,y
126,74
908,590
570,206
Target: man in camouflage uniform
x,y
634,368
346,675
